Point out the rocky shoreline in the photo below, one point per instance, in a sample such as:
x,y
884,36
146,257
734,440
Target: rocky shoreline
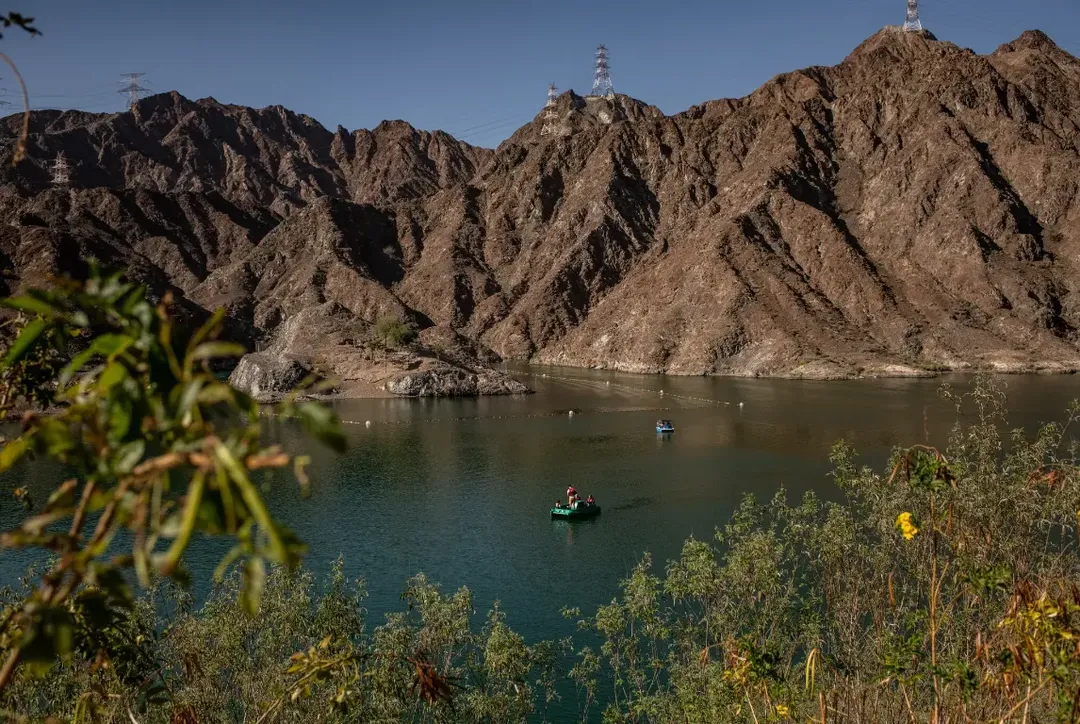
x,y
268,377
456,383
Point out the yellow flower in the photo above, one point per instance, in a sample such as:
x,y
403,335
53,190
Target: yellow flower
x,y
782,710
907,528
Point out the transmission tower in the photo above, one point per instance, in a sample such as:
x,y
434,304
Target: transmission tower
x,y
549,115
60,170
133,89
602,82
912,22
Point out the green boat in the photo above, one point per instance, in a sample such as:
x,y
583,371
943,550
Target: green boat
x,y
585,511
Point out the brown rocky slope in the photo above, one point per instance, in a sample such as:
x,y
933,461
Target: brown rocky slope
x,y
916,207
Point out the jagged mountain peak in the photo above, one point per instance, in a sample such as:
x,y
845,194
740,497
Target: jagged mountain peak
x,y
893,44
270,157
398,127
913,207
572,113
1030,40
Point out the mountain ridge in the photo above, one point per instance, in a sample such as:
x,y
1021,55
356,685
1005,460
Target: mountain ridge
x,y
911,209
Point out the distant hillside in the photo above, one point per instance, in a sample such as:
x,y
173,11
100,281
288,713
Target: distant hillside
x,y
914,207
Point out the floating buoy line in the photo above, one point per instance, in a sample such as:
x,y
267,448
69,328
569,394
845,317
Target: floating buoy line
x,y
557,413
644,390
462,418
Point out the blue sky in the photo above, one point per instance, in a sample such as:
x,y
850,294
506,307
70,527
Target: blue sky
x,y
478,69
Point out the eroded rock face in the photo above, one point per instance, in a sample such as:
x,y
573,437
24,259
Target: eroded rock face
x,y
267,377
448,381
910,210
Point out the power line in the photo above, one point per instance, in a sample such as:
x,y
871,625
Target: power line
x,y
482,126
493,129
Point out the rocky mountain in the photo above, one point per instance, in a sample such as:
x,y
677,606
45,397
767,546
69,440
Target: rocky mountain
x,y
914,208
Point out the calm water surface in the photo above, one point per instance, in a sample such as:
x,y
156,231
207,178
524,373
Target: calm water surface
x,y
460,489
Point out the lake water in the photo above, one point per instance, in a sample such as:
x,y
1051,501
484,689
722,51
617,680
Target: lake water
x,y
461,489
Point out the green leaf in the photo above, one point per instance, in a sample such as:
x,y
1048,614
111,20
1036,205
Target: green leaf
x,y
120,417
144,313
55,437
211,350
188,397
24,342
29,305
10,453
321,422
93,605
250,495
142,565
72,368
128,456
215,392
110,344
106,345
112,581
227,560
113,374
63,496
49,635
129,302
207,328
252,583
187,524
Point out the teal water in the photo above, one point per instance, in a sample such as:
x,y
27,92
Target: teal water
x,y
460,489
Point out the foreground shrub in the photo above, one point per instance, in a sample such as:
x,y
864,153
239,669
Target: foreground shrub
x,y
308,656
159,451
945,590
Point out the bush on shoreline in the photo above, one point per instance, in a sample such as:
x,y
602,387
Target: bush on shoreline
x,y
944,590
165,661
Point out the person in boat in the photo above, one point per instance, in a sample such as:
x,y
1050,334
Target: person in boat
x,y
558,503
571,496
590,500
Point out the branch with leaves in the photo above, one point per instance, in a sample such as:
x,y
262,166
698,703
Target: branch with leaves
x,y
161,450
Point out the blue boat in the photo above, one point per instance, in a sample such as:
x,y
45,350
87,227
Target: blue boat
x,y
664,426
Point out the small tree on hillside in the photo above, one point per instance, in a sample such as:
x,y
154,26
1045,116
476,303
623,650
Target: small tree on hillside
x,y
393,333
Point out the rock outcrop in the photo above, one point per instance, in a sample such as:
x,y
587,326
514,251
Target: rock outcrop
x,y
914,208
444,380
267,377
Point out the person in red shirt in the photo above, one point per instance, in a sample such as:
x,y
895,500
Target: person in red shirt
x,y
571,496
590,500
